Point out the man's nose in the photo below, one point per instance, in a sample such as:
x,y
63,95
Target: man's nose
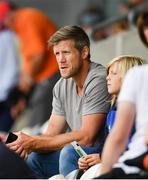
x,y
61,58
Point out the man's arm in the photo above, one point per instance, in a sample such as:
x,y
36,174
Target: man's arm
x,y
118,138
57,125
55,136
91,126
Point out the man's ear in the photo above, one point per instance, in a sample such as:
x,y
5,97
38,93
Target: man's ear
x,y
85,52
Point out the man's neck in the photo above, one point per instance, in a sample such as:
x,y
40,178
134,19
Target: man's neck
x,y
80,80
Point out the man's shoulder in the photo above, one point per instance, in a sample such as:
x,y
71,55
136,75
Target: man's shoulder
x,y
96,78
97,72
97,65
99,68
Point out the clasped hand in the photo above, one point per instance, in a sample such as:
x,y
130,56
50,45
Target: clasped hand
x,y
22,146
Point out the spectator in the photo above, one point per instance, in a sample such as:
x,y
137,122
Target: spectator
x,y
116,70
118,27
89,17
132,107
4,8
80,98
142,25
39,70
9,68
125,7
132,9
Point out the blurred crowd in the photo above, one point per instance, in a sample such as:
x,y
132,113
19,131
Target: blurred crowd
x,y
28,66
94,18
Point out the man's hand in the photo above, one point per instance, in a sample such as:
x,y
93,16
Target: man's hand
x,y
22,145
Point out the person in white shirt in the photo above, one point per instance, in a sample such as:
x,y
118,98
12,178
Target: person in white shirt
x,y
132,104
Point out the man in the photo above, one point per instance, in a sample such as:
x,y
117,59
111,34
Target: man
x,y
132,105
80,104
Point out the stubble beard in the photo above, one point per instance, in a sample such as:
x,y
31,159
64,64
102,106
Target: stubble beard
x,y
74,72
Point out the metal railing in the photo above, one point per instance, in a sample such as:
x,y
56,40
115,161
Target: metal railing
x,y
131,17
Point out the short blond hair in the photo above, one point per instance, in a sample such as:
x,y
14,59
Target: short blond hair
x,y
125,63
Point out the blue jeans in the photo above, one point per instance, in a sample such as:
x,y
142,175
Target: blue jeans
x,y
45,165
69,158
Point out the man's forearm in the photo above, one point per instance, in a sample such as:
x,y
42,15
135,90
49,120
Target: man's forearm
x,y
45,143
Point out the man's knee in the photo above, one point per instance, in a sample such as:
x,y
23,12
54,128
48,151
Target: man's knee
x,y
33,157
68,160
67,152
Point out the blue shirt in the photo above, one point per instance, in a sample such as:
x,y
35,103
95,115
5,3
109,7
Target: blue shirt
x,y
110,122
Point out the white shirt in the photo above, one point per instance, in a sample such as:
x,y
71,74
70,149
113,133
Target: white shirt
x,y
135,90
9,67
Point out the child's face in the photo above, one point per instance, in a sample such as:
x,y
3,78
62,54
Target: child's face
x,y
114,79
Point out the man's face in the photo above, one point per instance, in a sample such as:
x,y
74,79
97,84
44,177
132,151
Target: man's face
x,y
68,58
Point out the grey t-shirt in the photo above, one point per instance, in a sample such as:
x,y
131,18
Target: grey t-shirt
x,y
66,101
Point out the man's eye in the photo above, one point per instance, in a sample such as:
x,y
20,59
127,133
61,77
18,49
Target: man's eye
x,y
66,52
57,54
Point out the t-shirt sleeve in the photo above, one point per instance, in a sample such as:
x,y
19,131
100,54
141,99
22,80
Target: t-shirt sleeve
x,y
97,99
128,90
